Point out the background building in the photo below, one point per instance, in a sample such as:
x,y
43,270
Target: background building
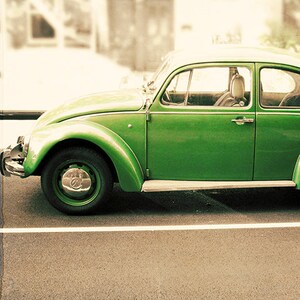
x,y
134,32
138,33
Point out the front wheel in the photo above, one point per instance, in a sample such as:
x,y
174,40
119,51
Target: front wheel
x,y
77,180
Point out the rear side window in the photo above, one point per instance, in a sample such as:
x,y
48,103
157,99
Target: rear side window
x,y
279,88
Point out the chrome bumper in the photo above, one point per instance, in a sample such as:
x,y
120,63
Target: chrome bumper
x,y
11,160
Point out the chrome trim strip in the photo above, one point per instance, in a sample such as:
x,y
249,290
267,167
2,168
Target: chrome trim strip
x,y
167,112
202,113
280,113
176,185
140,112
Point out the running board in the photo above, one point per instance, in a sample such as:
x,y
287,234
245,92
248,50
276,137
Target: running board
x,y
176,185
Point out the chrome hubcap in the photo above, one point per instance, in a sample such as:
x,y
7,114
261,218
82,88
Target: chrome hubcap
x,y
76,183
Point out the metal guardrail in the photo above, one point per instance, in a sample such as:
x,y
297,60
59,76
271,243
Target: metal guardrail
x,y
20,115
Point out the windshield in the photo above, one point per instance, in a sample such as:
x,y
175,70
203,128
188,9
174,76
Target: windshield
x,y
159,75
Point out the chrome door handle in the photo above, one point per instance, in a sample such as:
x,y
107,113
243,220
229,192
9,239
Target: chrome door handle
x,y
242,121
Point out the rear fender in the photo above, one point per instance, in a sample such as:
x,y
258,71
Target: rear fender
x,y
296,175
128,168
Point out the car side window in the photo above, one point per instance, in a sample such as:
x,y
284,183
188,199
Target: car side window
x,y
175,93
279,88
209,86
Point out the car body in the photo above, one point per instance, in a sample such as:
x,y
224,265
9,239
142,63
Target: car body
x,y
224,117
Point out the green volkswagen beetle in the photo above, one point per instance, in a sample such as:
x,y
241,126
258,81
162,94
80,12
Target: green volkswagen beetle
x,y
211,119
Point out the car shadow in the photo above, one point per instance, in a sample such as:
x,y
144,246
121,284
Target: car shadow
x,y
214,201
190,202
25,205
258,199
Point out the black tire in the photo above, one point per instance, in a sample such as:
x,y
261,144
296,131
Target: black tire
x,y
77,180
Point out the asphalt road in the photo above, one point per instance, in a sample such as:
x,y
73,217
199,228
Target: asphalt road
x,y
248,263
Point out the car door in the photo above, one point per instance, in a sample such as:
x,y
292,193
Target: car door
x,y
196,131
278,122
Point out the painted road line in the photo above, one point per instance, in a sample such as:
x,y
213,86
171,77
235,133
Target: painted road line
x,y
150,228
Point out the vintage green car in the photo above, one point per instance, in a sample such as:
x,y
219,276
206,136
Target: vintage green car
x,y
225,117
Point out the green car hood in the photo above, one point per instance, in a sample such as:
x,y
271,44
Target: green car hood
x,y
123,100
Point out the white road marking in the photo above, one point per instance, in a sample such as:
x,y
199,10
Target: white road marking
x,y
150,228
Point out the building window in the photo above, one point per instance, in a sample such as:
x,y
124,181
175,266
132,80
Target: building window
x,y
39,29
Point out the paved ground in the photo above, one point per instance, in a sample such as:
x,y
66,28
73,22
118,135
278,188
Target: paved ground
x,y
186,264
1,236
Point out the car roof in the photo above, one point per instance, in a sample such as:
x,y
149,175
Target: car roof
x,y
233,54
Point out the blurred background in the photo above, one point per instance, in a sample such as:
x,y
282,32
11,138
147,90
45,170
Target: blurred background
x,y
55,50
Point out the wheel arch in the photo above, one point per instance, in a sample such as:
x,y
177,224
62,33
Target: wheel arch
x,y
74,142
46,141
296,175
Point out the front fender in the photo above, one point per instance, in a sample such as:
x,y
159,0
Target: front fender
x,y
43,139
296,175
